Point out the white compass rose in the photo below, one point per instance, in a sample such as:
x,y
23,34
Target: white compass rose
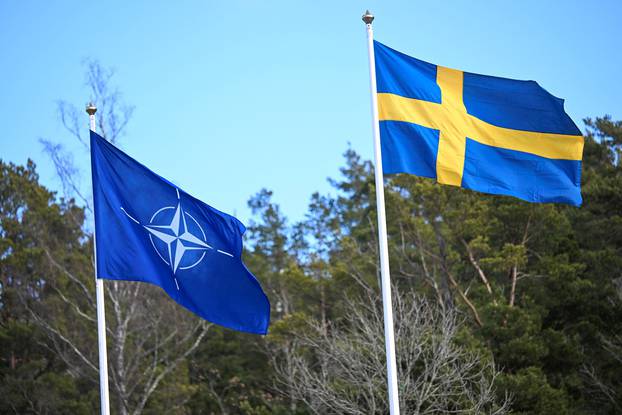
x,y
178,240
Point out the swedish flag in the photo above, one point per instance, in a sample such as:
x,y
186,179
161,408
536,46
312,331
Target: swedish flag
x,y
484,133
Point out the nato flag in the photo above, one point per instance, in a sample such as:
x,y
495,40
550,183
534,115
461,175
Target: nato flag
x,y
150,230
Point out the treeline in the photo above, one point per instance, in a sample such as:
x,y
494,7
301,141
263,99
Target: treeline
x,y
501,306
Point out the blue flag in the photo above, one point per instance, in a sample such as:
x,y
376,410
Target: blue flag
x,y
149,230
484,133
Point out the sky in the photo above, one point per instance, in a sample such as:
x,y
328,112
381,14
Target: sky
x,y
234,96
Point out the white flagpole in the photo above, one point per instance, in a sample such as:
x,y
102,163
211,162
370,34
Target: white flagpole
x,y
101,312
389,338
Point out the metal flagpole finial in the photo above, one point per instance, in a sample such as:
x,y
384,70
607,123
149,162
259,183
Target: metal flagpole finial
x,y
91,109
368,17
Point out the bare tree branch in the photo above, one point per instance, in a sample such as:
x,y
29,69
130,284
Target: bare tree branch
x,y
149,335
341,370
479,269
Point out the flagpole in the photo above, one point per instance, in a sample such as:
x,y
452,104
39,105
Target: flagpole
x,y
101,312
389,337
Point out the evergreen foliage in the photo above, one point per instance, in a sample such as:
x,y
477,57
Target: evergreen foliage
x,y
536,289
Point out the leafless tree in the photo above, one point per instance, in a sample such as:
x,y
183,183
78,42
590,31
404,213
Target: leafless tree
x,y
342,370
111,119
149,335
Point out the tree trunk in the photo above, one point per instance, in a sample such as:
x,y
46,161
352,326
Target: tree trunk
x,y
513,290
448,300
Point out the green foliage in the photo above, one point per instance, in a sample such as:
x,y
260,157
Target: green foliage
x,y
533,395
538,286
33,379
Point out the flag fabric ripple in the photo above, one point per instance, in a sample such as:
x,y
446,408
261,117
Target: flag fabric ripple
x,y
484,133
149,230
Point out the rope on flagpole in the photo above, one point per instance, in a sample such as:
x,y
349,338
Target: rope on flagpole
x,y
91,109
389,337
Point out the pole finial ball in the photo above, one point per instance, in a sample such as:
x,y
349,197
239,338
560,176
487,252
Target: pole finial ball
x,y
91,109
368,17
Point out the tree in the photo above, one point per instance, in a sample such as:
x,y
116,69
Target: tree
x,y
342,370
538,281
150,337
33,379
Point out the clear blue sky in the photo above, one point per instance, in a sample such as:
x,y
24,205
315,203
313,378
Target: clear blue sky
x,y
233,96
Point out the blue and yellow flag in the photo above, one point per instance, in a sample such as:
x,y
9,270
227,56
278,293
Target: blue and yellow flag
x,y
484,133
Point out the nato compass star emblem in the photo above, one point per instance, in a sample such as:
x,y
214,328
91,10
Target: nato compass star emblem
x,y
177,237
